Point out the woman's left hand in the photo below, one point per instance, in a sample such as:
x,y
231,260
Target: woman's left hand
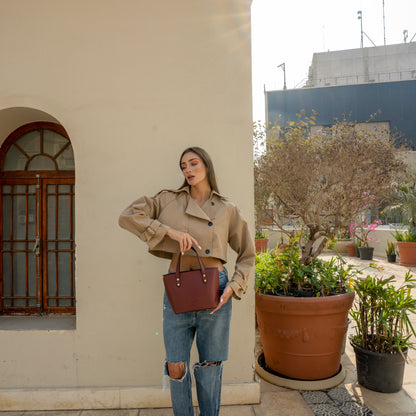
x,y
224,298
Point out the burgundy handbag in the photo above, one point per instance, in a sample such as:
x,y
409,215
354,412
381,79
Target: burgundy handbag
x,y
194,290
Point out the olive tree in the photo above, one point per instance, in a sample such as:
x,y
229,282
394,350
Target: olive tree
x,y
320,178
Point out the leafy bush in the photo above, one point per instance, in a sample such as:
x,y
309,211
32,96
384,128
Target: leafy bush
x,y
406,206
405,236
381,314
391,247
282,272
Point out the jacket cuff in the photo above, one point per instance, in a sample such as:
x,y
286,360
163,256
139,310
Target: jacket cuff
x,y
238,290
155,233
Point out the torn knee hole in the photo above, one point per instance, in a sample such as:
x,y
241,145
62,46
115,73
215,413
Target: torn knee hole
x,y
176,370
213,363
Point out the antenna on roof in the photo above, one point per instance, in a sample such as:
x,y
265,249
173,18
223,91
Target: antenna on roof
x,y
283,66
384,26
360,17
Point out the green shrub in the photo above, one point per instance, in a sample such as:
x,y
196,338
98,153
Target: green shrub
x,y
381,314
405,236
281,272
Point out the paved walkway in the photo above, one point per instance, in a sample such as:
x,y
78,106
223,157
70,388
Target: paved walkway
x,y
347,399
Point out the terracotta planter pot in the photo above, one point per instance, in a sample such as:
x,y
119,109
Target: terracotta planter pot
x,y
407,253
261,244
351,250
341,246
303,337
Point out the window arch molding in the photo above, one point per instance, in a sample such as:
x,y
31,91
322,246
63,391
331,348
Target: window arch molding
x,y
21,131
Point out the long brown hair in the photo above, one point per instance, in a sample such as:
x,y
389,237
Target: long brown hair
x,y
206,159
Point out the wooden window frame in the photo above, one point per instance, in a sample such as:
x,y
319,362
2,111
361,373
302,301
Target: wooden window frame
x,y
49,177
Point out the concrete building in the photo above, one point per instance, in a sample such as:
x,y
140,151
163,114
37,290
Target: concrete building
x,y
388,63
357,83
97,101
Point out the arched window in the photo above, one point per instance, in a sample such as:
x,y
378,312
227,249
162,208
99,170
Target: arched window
x,y
37,238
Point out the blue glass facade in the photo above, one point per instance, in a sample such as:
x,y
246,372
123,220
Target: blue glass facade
x,y
396,102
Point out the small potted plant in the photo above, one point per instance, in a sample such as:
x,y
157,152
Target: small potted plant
x,y
343,242
357,245
361,231
282,243
302,312
383,330
391,251
261,240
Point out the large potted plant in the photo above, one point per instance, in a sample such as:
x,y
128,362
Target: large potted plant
x,y
302,312
383,331
316,181
406,245
406,206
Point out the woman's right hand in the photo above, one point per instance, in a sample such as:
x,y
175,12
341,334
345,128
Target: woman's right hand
x,y
185,240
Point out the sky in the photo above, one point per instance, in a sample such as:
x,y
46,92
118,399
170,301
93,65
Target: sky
x,y
291,31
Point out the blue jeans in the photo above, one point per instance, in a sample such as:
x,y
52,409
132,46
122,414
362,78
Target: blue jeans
x,y
212,339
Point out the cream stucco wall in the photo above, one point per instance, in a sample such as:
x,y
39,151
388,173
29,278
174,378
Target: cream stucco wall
x,y
133,83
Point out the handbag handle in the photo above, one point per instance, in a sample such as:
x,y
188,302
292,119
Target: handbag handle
x,y
178,268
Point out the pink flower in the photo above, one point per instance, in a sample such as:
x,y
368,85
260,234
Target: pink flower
x,y
361,231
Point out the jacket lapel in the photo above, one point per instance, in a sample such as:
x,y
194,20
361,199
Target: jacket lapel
x,y
195,210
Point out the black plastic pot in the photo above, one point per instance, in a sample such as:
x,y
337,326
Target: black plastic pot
x,y
366,253
378,371
391,258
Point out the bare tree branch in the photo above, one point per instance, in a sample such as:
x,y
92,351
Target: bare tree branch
x,y
321,180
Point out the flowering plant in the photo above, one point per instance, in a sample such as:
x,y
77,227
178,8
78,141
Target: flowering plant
x,y
361,231
343,234
367,200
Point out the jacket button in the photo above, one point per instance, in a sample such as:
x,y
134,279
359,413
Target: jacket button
x,y
210,224
207,251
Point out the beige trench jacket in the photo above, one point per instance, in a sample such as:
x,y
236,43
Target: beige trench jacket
x,y
214,225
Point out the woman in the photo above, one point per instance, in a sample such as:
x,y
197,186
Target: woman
x,y
171,223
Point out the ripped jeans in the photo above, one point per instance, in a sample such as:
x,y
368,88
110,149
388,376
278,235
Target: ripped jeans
x,y
212,339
